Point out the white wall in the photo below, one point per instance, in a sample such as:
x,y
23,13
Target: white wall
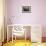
x,y
38,15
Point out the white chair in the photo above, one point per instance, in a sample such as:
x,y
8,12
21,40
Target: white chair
x,y
17,31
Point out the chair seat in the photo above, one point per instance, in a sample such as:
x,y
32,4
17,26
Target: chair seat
x,y
18,33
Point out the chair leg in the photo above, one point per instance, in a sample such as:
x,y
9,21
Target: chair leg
x,y
12,36
15,38
2,44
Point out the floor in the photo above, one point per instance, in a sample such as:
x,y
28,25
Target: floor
x,y
23,43
18,43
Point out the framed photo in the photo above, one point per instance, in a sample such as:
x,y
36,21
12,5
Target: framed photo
x,y
26,9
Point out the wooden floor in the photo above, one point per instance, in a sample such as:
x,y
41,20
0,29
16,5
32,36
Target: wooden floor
x,y
18,43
